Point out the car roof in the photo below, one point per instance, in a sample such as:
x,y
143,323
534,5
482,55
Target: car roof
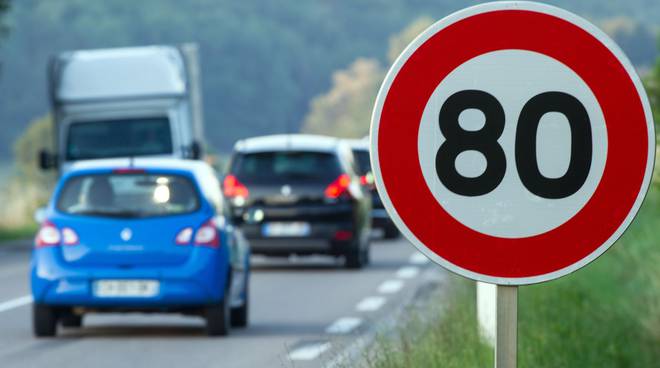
x,y
194,166
283,142
359,144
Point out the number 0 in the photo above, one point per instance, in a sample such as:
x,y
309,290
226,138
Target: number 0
x,y
581,145
458,140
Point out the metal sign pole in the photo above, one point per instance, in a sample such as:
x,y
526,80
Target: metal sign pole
x,y
506,341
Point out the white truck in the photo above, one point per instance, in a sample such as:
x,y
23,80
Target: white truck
x,y
125,102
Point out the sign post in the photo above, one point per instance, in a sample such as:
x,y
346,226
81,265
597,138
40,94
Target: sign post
x,y
506,340
512,143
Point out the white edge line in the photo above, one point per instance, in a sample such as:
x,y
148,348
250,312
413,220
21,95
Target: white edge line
x,y
344,325
390,286
407,272
15,303
309,351
371,304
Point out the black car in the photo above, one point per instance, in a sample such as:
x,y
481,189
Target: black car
x,y
299,194
379,217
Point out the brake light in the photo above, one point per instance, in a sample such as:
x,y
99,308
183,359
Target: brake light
x,y
184,236
69,237
343,235
48,235
234,188
338,187
207,235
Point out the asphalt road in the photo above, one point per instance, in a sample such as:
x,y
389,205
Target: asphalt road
x,y
305,312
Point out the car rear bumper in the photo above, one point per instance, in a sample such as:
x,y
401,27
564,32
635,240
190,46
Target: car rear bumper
x,y
323,238
199,281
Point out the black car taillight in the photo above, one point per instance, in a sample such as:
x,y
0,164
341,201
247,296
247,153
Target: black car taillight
x,y
233,188
338,187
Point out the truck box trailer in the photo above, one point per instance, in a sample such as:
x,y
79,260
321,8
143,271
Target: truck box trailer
x,y
125,102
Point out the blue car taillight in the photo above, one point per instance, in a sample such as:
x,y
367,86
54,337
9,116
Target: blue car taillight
x,y
49,235
184,236
206,235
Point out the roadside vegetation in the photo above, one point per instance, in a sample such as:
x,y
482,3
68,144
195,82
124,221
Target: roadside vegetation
x,y
604,315
26,188
445,336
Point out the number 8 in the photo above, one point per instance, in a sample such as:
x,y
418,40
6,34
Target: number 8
x,y
458,140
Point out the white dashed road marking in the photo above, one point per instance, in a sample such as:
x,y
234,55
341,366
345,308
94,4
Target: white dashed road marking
x,y
418,258
407,272
15,303
344,325
371,303
309,351
390,286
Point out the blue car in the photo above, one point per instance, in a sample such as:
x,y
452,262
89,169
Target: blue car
x,y
139,235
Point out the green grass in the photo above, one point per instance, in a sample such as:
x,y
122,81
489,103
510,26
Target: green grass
x,y
604,315
445,337
23,232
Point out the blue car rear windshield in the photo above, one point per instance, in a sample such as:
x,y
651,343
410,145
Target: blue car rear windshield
x,y
119,138
128,195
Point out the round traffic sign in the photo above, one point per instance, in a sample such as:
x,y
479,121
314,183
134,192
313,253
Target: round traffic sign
x,y
512,142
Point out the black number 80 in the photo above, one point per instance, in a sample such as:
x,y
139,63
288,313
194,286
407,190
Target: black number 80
x,y
458,140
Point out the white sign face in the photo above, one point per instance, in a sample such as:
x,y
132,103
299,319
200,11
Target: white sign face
x,y
513,77
512,142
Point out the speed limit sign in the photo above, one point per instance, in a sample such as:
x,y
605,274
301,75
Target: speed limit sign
x,y
512,142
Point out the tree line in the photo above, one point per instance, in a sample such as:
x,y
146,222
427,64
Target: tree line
x,y
262,62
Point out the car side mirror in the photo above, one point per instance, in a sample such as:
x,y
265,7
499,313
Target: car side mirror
x,y
46,160
196,150
40,215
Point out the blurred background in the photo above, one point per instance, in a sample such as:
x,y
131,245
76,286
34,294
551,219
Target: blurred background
x,y
289,66
315,66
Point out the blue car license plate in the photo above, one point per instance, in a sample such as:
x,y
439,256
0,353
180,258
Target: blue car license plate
x,y
126,288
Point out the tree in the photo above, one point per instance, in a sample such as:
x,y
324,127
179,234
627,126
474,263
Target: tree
x,y
4,8
399,41
38,135
636,39
652,84
345,110
4,28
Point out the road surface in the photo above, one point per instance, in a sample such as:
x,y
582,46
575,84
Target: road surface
x,y
305,312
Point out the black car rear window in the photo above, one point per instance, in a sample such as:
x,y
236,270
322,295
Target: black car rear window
x,y
286,166
128,195
362,158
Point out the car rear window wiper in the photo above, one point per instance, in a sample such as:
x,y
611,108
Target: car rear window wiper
x,y
120,214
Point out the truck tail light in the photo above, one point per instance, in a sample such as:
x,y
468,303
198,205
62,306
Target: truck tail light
x,y
338,187
48,235
233,188
207,235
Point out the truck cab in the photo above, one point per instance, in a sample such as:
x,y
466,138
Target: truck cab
x,y
124,102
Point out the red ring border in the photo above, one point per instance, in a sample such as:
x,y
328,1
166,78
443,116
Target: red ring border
x,y
556,249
